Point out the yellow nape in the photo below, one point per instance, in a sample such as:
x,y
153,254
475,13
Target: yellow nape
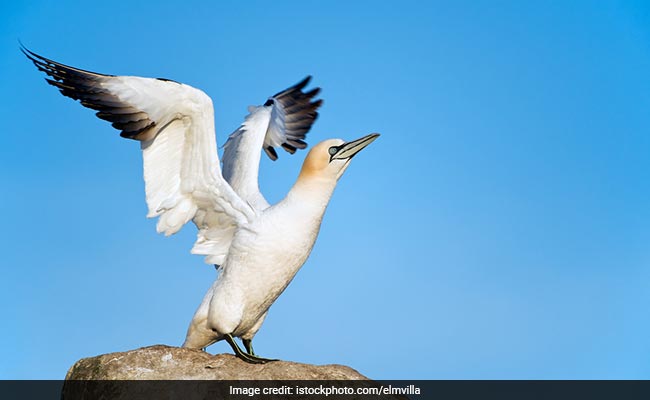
x,y
317,159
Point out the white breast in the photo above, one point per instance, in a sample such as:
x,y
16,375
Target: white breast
x,y
262,261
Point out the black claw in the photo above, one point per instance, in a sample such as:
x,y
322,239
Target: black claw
x,y
249,358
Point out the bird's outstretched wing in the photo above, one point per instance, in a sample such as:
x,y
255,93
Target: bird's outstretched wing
x,y
283,121
175,126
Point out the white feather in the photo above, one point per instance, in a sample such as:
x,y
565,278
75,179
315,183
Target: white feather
x,y
183,180
241,156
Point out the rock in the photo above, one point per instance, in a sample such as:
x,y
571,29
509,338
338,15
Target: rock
x,y
170,373
161,362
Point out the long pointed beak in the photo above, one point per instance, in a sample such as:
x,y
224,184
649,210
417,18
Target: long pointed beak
x,y
349,149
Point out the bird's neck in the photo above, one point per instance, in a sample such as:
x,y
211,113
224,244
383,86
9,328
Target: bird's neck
x,y
311,194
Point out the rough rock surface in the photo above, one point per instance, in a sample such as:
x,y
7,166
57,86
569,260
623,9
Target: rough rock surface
x,y
176,363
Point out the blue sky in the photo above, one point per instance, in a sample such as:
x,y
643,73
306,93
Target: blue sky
x,y
499,228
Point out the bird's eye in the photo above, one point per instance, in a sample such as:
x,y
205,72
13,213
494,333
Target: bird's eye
x,y
333,150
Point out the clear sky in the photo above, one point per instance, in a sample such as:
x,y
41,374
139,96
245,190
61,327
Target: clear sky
x,y
499,227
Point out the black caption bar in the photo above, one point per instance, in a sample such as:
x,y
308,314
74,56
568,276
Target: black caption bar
x,y
315,390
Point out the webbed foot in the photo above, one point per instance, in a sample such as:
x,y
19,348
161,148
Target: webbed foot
x,y
249,357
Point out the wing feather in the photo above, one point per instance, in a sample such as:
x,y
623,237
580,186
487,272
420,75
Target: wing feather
x,y
292,114
283,121
175,126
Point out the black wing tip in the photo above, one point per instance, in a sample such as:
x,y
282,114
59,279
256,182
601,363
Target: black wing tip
x,y
33,57
313,92
297,143
80,85
316,104
140,131
294,100
23,48
168,80
301,112
303,82
289,148
52,65
295,88
270,151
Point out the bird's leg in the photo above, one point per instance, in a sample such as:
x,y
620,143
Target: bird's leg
x,y
249,358
248,344
238,352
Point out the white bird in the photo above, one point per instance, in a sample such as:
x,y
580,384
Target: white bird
x,y
258,248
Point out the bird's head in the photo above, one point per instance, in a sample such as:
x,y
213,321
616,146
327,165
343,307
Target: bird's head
x,y
329,159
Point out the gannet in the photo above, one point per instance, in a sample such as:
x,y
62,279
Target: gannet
x,y
257,247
